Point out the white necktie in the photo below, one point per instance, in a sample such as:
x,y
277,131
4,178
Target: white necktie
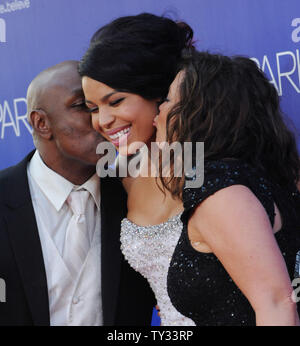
x,y
77,243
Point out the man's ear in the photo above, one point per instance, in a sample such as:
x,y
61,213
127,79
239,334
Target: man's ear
x,y
40,123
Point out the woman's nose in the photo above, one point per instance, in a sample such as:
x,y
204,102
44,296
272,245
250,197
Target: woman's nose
x,y
105,119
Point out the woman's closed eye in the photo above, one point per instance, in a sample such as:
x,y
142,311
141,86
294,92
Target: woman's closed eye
x,y
116,102
165,99
90,109
80,105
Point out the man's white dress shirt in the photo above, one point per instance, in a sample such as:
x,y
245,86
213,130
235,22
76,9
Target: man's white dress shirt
x,y
72,301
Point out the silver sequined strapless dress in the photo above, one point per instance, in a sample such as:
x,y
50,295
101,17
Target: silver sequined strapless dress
x,y
149,251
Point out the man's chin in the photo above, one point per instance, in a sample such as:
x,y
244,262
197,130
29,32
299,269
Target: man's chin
x,y
89,161
93,161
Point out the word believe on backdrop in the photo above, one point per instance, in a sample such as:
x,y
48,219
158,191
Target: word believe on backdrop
x,y
7,8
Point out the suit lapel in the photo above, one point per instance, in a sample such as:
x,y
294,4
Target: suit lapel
x,y
24,237
113,209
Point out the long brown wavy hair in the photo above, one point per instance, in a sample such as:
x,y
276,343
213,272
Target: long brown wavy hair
x,y
229,104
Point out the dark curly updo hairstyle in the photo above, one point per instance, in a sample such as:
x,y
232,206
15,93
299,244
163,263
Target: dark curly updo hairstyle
x,y
229,104
137,54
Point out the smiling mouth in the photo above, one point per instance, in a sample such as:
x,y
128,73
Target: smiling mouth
x,y
120,137
119,134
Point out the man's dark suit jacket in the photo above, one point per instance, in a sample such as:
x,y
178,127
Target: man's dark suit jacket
x,y
127,297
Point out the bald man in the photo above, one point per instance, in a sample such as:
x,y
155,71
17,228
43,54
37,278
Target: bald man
x,y
60,252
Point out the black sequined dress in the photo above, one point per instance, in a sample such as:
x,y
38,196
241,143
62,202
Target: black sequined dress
x,y
198,285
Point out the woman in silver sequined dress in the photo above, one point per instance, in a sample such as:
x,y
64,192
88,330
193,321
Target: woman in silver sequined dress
x,y
126,73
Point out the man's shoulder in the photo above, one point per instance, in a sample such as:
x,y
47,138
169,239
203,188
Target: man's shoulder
x,y
13,175
9,172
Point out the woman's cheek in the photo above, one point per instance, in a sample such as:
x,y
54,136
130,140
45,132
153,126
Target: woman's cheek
x,y
95,123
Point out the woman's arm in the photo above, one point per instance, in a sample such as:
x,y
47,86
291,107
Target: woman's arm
x,y
236,227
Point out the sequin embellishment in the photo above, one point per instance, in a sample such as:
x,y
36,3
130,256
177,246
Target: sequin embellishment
x,y
149,250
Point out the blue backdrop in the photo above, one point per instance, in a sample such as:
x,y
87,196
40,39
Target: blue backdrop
x,y
35,34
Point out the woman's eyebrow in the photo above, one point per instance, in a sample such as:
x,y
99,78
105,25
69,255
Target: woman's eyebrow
x,y
104,98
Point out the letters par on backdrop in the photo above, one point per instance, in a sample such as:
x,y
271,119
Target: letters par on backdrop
x,y
10,117
286,58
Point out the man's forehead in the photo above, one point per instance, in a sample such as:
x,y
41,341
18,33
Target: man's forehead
x,y
66,76
55,85
64,83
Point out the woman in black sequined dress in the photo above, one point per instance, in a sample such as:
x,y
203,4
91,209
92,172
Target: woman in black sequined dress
x,y
235,262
